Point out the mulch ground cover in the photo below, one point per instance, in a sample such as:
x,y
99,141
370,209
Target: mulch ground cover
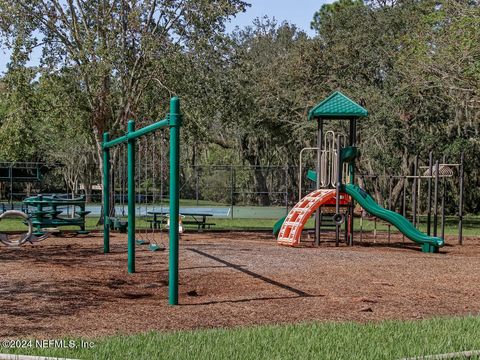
x,y
66,286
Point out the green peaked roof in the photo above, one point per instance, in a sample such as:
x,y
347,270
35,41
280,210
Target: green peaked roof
x,y
337,106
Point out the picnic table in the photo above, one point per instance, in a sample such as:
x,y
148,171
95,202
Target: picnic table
x,y
193,217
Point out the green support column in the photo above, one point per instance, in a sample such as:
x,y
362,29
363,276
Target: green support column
x,y
131,198
318,213
39,216
106,195
175,123
351,167
351,170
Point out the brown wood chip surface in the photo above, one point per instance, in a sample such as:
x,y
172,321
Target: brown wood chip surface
x,y
68,287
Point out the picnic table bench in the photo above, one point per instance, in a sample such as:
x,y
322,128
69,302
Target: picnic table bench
x,y
191,218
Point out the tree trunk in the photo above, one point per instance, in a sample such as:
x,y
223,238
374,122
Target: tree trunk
x,y
250,153
376,186
396,192
261,187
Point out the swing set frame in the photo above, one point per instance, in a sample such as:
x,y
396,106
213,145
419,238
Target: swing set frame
x,y
173,121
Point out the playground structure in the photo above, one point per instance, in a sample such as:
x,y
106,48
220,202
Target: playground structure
x,y
18,239
328,162
48,209
150,178
436,175
45,218
173,122
333,163
219,270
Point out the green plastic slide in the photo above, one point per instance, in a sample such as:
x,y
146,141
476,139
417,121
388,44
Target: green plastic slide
x,y
428,243
278,226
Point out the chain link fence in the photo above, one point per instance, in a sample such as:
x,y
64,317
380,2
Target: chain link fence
x,y
246,191
243,191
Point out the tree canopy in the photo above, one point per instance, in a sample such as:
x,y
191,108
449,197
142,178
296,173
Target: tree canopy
x,y
415,65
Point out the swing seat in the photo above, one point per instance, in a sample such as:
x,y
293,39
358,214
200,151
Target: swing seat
x,y
142,242
119,225
156,247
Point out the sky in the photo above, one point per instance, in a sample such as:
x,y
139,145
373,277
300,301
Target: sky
x,y
298,12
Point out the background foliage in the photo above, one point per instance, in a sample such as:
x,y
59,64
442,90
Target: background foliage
x,y
415,65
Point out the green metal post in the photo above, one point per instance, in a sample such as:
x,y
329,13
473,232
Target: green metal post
x,y
131,198
106,196
38,216
461,198
175,123
351,165
318,213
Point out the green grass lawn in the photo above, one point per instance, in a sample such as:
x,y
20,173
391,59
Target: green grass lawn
x,y
471,225
384,340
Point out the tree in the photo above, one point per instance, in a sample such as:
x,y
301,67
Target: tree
x,y
263,96
329,11
397,57
64,130
114,47
19,116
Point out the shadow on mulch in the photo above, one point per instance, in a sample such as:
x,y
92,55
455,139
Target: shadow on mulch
x,y
242,269
64,255
396,245
32,297
39,300
13,331
250,299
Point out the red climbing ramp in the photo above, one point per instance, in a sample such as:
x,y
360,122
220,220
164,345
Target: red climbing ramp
x,y
296,219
